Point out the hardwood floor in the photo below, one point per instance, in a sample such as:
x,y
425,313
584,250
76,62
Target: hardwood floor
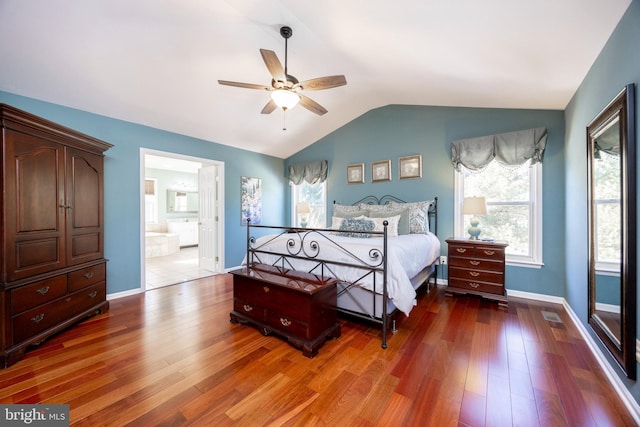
x,y
171,357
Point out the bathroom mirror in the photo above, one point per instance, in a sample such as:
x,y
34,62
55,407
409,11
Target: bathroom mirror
x,y
182,201
611,163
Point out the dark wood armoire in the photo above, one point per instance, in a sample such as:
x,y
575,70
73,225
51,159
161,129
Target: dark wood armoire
x,y
53,270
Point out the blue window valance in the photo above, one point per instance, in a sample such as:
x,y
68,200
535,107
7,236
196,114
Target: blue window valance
x,y
313,172
508,149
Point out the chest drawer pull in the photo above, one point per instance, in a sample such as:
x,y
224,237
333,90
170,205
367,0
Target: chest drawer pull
x,y
285,322
43,290
38,318
247,307
461,250
89,275
266,289
472,262
474,273
93,294
474,285
489,252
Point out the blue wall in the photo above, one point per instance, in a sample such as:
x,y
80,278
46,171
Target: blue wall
x,y
395,131
617,65
122,183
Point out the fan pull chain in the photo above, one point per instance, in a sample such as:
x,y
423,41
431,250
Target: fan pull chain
x,y
284,119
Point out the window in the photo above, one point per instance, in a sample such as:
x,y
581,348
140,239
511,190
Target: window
x,y
151,200
514,208
606,193
315,195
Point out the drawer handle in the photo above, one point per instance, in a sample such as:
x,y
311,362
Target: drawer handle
x,y
461,250
247,307
93,294
43,290
89,275
474,285
474,273
474,262
489,252
285,322
266,289
38,318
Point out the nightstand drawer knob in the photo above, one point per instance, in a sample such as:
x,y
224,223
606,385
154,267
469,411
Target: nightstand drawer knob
x,y
247,307
285,322
474,273
266,289
474,262
461,250
474,285
489,252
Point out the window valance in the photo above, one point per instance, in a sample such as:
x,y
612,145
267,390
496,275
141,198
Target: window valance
x,y
509,149
313,173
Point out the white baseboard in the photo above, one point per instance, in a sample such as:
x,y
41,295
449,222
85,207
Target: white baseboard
x,y
124,293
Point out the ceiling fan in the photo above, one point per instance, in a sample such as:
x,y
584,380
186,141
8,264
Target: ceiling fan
x,y
285,89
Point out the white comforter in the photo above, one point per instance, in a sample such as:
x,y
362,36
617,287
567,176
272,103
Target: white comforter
x,y
407,255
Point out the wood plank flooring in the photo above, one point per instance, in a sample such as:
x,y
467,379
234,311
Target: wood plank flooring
x,y
171,357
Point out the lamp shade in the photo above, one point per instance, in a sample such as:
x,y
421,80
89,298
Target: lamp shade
x,y
303,208
474,206
285,99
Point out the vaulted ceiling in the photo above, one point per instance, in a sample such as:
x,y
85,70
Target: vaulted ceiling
x,y
157,62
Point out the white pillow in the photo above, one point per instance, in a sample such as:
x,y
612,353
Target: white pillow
x,y
392,227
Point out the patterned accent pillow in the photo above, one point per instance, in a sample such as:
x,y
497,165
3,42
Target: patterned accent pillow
x,y
418,215
392,226
336,221
355,224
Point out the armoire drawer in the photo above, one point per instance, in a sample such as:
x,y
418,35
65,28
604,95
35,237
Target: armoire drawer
x,y
38,293
87,276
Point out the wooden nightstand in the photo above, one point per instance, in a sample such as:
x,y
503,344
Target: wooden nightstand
x,y
477,267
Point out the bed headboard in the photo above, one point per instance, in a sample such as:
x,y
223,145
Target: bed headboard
x,y
386,199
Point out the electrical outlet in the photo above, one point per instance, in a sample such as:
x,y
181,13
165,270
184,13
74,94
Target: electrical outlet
x,y
443,260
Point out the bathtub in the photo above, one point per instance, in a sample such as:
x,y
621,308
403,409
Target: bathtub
x,y
160,244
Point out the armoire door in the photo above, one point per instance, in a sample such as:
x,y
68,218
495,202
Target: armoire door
x,y
34,206
84,199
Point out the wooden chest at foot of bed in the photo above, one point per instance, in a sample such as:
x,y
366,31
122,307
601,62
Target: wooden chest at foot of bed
x,y
298,306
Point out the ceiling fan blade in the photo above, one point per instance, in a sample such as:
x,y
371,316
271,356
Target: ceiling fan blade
x,y
273,64
324,83
268,109
244,85
312,105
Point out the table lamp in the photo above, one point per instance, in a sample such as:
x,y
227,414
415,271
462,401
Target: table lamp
x,y
474,206
303,209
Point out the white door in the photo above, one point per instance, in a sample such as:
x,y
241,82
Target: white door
x,y
208,228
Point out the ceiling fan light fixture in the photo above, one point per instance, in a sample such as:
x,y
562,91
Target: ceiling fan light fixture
x,y
285,99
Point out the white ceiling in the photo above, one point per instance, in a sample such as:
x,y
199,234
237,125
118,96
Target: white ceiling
x,y
157,62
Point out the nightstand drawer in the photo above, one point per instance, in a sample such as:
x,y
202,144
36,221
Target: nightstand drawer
x,y
461,250
479,275
477,286
476,264
489,253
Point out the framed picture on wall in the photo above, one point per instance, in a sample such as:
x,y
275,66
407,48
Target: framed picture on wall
x,y
355,174
251,200
381,171
410,167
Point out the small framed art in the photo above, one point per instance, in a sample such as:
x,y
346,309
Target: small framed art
x,y
251,200
381,171
355,174
410,167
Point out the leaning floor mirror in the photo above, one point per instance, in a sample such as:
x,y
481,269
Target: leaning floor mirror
x,y
612,228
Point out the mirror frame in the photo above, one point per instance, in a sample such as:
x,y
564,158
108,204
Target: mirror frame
x,y
623,108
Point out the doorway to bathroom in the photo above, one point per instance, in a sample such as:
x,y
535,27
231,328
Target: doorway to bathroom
x,y
181,218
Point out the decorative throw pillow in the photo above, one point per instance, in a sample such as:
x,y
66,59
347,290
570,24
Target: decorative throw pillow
x,y
392,226
347,211
388,211
418,215
355,224
336,221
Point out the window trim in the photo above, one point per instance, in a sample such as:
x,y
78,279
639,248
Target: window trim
x,y
535,194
